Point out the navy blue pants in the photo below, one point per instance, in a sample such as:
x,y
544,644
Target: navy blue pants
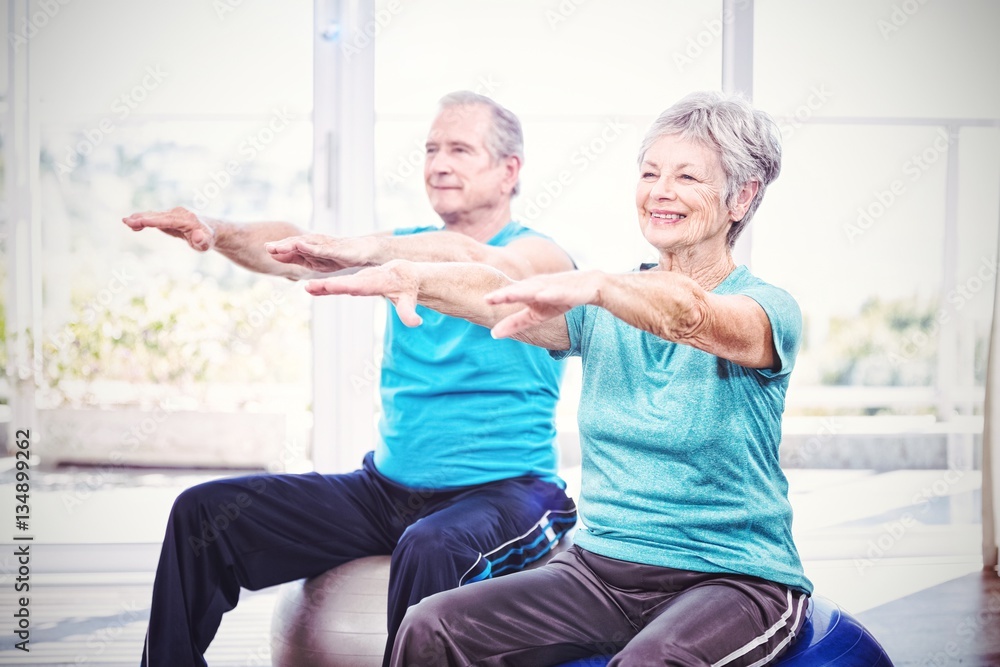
x,y
261,530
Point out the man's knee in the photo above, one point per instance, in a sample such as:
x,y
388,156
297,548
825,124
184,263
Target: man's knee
x,y
218,502
429,540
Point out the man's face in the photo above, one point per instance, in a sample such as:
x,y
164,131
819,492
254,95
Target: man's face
x,y
461,176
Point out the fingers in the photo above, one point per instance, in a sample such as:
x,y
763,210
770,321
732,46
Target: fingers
x,y
367,282
523,292
345,285
199,240
406,309
307,244
173,219
176,222
284,246
517,322
370,284
303,250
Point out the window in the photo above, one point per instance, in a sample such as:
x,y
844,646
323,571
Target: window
x,y
140,320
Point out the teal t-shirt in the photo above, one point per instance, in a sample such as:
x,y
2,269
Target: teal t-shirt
x,y
680,447
460,408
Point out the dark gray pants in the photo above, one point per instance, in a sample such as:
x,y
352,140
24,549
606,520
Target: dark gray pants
x,y
581,604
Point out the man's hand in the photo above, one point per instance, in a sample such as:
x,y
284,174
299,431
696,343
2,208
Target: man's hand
x,y
321,253
544,297
398,281
178,222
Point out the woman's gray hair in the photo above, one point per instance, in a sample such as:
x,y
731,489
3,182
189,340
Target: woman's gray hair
x,y
505,138
746,139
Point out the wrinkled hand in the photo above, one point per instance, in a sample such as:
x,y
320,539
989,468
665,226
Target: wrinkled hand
x,y
325,254
179,222
396,280
544,297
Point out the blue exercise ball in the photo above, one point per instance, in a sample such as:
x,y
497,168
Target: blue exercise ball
x,y
829,637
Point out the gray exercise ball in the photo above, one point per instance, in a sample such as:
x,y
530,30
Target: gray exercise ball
x,y
336,619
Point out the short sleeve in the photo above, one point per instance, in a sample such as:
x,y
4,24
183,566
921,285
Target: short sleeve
x,y
407,231
574,323
786,325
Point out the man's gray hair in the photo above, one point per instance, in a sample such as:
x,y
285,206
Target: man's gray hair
x,y
505,137
746,139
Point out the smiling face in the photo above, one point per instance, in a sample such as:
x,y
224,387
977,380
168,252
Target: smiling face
x,y
463,180
679,197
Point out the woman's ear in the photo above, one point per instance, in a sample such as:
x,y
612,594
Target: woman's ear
x,y
743,200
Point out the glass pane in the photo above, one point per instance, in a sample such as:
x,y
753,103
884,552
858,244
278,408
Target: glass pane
x,y
856,238
565,58
192,58
884,58
215,355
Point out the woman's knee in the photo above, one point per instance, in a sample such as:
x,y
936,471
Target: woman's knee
x,y
423,638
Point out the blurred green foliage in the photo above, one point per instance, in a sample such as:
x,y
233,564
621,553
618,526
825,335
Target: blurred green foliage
x,y
888,343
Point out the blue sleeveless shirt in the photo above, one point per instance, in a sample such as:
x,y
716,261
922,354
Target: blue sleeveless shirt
x,y
460,408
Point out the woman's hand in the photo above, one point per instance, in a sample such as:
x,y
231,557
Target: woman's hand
x,y
397,281
545,297
321,253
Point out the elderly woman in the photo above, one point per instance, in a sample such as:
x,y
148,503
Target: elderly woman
x,y
686,556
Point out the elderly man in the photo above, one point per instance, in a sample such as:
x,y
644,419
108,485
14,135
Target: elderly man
x,y
462,484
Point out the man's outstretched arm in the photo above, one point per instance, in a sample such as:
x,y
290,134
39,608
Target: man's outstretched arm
x,y
241,243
